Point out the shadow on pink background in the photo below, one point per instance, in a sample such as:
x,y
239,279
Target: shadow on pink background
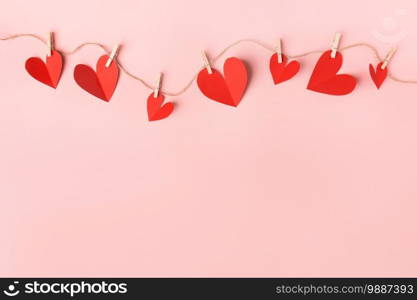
x,y
290,183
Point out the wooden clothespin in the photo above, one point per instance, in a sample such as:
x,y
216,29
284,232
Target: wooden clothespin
x,y
112,55
206,63
157,86
50,43
335,44
279,51
388,58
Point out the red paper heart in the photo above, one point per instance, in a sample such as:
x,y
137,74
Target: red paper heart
x,y
157,111
282,71
379,75
325,80
47,73
228,90
100,83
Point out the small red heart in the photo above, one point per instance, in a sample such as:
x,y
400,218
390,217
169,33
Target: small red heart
x,y
228,90
100,83
379,75
282,71
157,111
48,73
325,80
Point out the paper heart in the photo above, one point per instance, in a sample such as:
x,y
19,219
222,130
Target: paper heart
x,y
282,71
48,72
100,83
228,90
378,75
325,80
157,111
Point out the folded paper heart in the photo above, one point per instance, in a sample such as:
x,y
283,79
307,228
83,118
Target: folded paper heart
x,y
228,90
282,71
48,72
325,79
100,83
378,75
157,111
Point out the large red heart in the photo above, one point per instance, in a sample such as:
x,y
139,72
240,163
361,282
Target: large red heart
x,y
157,111
100,83
378,75
282,71
325,80
47,73
228,90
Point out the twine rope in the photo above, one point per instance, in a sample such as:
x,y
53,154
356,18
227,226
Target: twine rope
x,y
213,60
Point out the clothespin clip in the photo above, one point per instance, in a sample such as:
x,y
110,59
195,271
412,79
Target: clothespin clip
x,y
50,43
112,55
206,63
279,51
157,86
388,58
335,44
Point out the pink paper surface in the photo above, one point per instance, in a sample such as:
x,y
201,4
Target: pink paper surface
x,y
290,183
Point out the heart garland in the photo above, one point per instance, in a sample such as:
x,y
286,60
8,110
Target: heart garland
x,y
282,71
48,72
325,79
157,111
100,83
378,76
229,89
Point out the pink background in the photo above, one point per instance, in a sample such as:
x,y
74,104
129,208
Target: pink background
x,y
291,183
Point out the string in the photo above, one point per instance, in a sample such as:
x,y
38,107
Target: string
x,y
214,59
